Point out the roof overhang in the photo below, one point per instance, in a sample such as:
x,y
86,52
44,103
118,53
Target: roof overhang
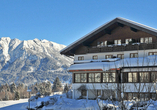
x,y
68,51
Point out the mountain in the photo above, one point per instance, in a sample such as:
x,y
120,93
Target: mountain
x,y
32,61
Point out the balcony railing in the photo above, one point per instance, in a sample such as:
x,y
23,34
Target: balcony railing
x,y
115,48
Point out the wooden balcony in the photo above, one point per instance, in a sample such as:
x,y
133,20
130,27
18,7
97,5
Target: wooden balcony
x,y
116,48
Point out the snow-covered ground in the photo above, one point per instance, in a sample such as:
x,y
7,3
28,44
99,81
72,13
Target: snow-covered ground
x,y
60,102
14,104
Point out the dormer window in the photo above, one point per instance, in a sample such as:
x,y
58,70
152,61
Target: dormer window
x,y
117,42
127,41
95,57
81,58
146,40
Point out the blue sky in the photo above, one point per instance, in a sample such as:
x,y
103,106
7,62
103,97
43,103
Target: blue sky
x,y
64,21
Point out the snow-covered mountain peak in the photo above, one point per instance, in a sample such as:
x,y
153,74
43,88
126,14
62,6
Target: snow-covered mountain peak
x,y
5,39
40,58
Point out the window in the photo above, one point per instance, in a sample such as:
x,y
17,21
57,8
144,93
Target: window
x,y
80,77
142,40
84,92
152,53
146,40
81,58
133,55
121,56
98,92
108,56
127,41
77,77
117,42
105,43
129,96
101,43
141,96
91,77
144,77
153,96
109,77
153,76
83,77
98,44
132,77
105,77
95,57
94,77
97,77
150,40
135,95
147,96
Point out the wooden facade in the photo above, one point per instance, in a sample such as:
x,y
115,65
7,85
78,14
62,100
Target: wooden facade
x,y
114,30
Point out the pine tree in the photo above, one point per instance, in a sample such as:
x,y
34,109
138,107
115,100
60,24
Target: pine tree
x,y
13,87
57,86
66,88
17,95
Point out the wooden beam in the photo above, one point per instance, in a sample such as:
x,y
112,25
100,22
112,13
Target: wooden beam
x,y
120,24
133,29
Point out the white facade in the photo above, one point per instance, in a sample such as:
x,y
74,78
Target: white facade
x,y
141,53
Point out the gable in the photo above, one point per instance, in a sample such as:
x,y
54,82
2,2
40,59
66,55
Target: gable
x,y
115,29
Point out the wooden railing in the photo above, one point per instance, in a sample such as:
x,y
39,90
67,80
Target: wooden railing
x,y
115,48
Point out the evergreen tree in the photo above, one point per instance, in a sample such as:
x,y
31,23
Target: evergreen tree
x,y
17,95
6,95
48,86
42,90
13,87
66,88
57,86
7,86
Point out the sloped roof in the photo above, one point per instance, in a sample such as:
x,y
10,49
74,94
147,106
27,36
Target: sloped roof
x,y
123,21
148,61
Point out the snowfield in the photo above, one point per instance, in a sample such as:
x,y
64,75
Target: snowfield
x,y
14,104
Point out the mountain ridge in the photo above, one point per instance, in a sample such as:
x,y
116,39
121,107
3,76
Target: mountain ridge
x,y
32,61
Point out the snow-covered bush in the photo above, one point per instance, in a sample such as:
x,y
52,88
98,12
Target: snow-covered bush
x,y
38,94
33,98
69,94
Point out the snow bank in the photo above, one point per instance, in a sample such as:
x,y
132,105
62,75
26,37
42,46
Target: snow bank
x,y
60,102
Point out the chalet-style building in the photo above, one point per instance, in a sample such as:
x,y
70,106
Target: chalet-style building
x,y
117,60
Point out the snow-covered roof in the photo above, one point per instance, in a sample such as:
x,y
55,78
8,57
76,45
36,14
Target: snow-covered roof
x,y
124,21
127,62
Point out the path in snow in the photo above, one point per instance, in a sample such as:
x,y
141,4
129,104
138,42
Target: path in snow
x,y
14,105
